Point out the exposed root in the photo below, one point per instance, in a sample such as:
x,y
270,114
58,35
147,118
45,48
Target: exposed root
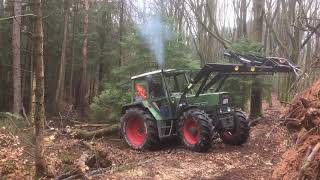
x,y
302,116
308,161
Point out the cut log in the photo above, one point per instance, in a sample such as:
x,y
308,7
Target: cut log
x,y
81,163
83,134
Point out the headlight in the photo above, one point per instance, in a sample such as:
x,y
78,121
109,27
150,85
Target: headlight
x,y
225,101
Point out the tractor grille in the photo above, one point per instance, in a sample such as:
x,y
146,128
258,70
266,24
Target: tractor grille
x,y
226,121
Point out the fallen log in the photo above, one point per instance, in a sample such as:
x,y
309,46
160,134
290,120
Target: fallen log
x,y
84,134
92,125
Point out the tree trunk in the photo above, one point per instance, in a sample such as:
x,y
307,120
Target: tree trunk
x,y
2,69
60,86
75,14
105,29
16,64
32,79
180,17
83,101
39,91
258,12
244,18
256,89
121,29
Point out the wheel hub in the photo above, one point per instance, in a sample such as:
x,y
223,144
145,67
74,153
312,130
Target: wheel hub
x,y
228,134
191,131
136,131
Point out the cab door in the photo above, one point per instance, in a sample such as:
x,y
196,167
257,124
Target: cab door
x,y
160,100
158,95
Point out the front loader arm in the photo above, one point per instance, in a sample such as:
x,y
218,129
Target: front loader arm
x,y
248,65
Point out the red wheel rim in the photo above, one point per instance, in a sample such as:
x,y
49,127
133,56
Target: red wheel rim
x,y
191,131
136,131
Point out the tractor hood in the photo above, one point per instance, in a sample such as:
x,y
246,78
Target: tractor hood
x,y
207,99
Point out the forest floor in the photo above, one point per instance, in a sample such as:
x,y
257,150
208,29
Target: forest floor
x,y
253,160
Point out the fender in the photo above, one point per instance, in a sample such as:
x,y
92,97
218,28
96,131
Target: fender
x,y
144,105
185,108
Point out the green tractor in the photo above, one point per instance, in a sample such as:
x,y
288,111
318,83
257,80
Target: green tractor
x,y
167,103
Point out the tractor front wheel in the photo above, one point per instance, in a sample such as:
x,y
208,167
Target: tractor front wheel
x,y
239,134
139,129
195,130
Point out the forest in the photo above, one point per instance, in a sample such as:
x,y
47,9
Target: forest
x,y
71,72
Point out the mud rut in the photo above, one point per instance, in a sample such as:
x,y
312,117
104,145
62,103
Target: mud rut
x,y
253,160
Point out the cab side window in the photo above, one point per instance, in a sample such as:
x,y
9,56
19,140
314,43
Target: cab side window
x,y
155,86
140,90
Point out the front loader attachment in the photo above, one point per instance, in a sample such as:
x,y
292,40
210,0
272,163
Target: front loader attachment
x,y
247,65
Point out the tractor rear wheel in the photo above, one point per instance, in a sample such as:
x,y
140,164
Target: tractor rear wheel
x,y
239,134
195,130
139,129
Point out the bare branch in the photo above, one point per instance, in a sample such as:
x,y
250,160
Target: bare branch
x,y
12,17
282,47
309,36
219,39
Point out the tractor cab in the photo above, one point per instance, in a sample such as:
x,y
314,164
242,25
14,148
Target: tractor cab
x,y
159,89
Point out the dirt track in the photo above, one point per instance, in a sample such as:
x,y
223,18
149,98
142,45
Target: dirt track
x,y
253,160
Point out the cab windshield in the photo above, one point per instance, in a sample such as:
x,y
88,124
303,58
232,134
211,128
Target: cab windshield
x,y
176,82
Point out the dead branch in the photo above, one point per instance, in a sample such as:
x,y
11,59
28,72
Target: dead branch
x,y
292,122
283,102
12,17
80,169
304,73
88,145
305,103
304,137
308,161
217,36
276,37
309,36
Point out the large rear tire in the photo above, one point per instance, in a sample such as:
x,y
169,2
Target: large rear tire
x,y
139,129
195,130
239,134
